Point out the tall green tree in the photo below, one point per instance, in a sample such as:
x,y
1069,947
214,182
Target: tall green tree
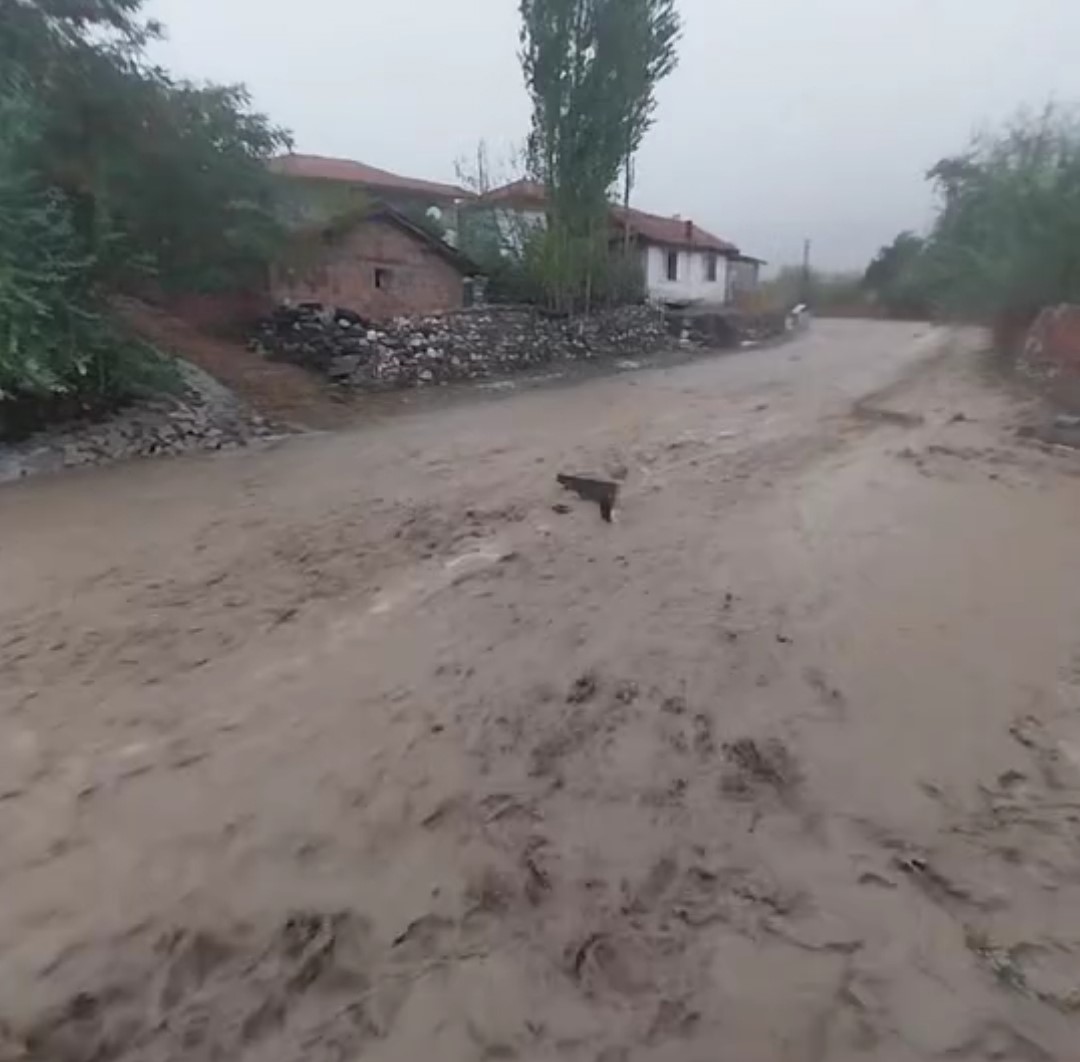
x,y
591,68
646,33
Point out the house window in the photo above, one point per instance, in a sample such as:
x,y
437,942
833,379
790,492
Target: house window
x,y
711,263
673,265
383,278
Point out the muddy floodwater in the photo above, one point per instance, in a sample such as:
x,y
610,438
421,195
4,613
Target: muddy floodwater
x,y
379,744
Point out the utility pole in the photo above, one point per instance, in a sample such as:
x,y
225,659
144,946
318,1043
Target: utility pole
x,y
805,297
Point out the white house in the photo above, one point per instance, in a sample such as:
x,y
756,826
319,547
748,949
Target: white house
x,y
682,263
518,208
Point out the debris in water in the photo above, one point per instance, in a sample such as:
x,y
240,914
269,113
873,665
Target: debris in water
x,y
938,886
767,762
601,491
902,419
583,689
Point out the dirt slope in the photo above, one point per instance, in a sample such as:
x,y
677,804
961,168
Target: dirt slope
x,y
356,748
281,392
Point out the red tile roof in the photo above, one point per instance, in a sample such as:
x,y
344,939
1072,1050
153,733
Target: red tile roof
x,y
670,232
317,167
652,228
519,193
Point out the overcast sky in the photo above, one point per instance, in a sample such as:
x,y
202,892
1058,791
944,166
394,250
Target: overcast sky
x,y
786,118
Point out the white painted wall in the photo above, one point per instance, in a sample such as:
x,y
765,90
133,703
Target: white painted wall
x,y
692,283
515,227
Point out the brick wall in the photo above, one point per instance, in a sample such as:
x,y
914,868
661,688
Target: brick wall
x,y
376,269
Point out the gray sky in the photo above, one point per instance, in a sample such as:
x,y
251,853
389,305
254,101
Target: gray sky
x,y
785,119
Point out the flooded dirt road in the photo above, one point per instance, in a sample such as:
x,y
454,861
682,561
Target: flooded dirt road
x,y
380,745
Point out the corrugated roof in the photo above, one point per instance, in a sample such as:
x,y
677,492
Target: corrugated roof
x,y
318,167
671,232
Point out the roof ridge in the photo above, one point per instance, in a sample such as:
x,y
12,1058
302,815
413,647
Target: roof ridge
x,y
337,168
663,228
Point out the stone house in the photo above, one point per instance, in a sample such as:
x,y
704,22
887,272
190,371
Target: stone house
x,y
367,239
377,262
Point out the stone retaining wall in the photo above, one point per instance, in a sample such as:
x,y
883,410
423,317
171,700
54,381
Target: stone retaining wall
x,y
465,345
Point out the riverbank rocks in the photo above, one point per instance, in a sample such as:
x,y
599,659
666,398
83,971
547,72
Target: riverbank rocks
x,y
203,416
464,345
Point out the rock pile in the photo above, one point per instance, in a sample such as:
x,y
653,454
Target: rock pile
x,y
726,328
465,345
204,417
1051,348
158,428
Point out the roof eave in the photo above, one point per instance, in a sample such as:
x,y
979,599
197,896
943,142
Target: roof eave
x,y
447,192
686,245
456,258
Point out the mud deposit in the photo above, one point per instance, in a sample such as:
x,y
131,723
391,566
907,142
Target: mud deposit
x,y
382,745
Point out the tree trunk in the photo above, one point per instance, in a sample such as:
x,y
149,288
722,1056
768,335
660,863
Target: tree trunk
x,y
590,259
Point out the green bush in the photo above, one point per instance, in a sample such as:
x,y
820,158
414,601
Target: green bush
x,y
897,279
824,292
110,173
1006,241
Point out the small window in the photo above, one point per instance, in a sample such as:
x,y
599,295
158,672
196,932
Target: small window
x,y
383,279
673,265
711,264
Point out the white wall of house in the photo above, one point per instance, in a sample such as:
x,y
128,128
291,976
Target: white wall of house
x,y
515,227
692,275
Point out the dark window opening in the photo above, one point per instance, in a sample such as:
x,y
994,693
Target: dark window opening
x,y
673,265
383,277
710,268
